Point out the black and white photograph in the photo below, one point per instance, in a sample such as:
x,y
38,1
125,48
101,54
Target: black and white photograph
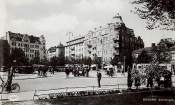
x,y
87,52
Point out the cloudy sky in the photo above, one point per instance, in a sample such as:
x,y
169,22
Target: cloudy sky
x,y
54,18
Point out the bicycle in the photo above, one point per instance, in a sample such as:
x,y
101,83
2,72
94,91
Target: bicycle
x,y
14,87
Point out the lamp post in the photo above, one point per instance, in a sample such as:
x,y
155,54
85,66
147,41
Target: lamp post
x,y
14,61
124,65
69,33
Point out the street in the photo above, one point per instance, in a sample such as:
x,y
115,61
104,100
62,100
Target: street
x,y
31,82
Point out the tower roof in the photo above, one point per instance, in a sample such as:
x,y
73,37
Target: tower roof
x,y
117,19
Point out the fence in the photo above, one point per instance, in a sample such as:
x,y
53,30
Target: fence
x,y
68,92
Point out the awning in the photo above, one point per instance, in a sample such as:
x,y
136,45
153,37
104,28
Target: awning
x,y
37,65
109,66
93,65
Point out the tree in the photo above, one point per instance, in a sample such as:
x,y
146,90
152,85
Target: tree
x,y
4,53
152,70
114,61
36,59
143,57
163,57
61,59
158,13
87,61
97,60
44,62
53,61
18,55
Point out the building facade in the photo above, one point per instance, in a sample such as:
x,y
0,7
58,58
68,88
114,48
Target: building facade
x,y
166,45
75,47
32,46
113,40
56,51
4,53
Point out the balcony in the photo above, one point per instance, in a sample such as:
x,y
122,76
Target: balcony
x,y
89,45
116,53
72,52
72,48
116,38
89,51
116,45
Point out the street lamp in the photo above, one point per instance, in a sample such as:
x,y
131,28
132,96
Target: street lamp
x,y
14,61
124,65
69,33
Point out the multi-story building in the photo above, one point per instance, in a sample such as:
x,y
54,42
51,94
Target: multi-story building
x,y
75,47
165,45
31,45
55,51
113,40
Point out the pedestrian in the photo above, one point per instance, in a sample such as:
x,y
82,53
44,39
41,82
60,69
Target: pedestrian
x,y
129,78
52,70
10,77
88,69
149,82
67,72
83,72
39,71
137,82
99,75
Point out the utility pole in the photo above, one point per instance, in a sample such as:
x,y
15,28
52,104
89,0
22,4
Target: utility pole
x,y
69,33
124,65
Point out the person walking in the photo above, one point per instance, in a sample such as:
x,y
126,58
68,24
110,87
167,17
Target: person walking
x,y
149,82
129,80
9,79
52,70
99,75
67,72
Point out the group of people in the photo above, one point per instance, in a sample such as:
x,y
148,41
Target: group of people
x,y
82,72
163,78
77,71
42,70
110,72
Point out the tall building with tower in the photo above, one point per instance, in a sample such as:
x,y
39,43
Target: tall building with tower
x,y
113,41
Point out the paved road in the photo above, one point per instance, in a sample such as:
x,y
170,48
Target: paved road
x,y
31,82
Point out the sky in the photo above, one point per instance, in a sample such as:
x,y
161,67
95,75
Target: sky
x,y
55,18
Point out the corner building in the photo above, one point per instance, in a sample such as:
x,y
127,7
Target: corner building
x,y
112,41
32,46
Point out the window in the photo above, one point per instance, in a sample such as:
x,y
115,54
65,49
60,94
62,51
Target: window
x,y
13,44
36,46
173,56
